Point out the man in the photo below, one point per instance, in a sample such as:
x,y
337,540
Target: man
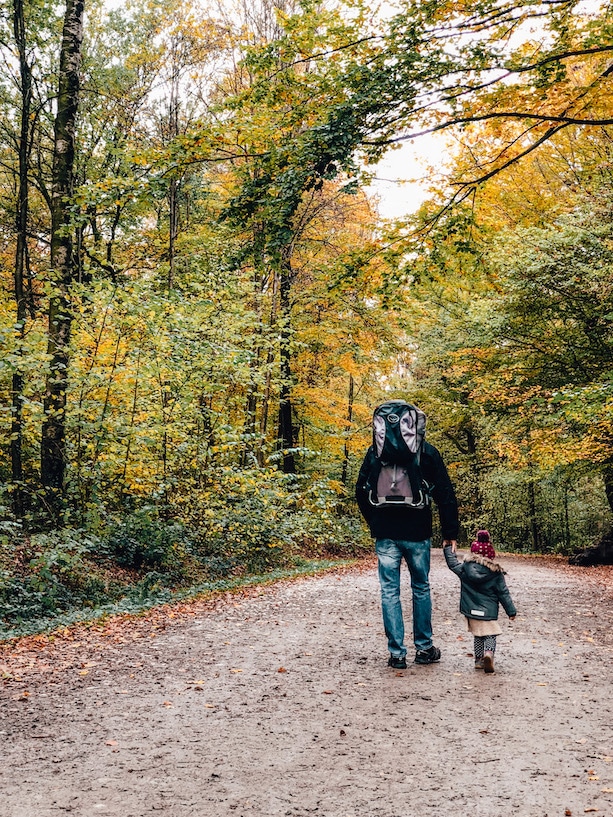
x,y
403,530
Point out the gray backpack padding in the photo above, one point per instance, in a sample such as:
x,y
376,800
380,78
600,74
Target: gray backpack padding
x,y
399,430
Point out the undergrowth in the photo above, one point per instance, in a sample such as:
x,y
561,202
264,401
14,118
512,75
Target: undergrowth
x,y
149,593
151,554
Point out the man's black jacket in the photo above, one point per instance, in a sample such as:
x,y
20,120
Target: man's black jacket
x,y
412,524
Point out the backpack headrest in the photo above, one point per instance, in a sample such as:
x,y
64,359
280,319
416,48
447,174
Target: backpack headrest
x,y
398,428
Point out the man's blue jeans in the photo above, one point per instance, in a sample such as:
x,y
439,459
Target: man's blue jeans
x,y
390,553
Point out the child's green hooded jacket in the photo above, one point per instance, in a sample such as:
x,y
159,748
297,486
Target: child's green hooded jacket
x,y
483,586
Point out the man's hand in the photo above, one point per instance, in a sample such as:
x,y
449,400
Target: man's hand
x,y
452,542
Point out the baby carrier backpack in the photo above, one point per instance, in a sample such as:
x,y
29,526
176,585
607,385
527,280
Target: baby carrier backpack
x,y
399,430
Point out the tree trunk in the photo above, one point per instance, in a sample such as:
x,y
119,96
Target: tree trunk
x,y
350,398
534,528
607,475
173,190
252,452
21,225
286,431
270,357
53,444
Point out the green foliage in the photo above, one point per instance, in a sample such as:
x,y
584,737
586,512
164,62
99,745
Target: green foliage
x,y
46,574
514,367
258,519
143,540
246,522
229,265
150,593
557,511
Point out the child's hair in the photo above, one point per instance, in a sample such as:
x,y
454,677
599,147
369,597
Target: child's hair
x,y
482,545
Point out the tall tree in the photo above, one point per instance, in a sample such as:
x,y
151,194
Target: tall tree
x,y
24,144
62,261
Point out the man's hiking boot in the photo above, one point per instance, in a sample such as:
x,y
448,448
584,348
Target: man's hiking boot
x,y
397,661
488,661
430,656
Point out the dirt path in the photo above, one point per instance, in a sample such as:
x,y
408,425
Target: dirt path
x,y
280,703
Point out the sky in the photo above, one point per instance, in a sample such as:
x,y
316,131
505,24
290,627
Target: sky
x,y
402,178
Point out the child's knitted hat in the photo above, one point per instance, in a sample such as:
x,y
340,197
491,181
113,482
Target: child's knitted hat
x,y
483,546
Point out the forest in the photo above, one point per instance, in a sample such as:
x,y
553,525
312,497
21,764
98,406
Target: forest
x,y
201,305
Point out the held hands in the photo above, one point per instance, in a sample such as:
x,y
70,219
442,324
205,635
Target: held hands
x,y
452,542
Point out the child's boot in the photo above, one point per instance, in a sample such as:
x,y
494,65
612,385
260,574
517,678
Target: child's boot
x,y
488,661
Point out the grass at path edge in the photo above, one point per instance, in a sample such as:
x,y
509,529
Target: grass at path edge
x,y
135,604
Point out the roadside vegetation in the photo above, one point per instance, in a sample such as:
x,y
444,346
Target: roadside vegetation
x,y
200,305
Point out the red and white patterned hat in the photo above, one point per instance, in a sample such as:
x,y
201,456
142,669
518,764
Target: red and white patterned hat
x,y
483,546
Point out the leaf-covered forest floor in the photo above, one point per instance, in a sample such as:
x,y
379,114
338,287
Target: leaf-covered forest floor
x,y
278,701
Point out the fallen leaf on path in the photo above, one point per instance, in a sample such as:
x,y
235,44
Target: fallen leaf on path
x,y
327,692
542,684
607,759
111,743
167,704
281,669
236,670
590,809
84,672
568,813
607,791
593,777
209,706
582,740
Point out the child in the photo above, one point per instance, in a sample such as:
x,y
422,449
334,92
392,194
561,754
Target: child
x,y
482,587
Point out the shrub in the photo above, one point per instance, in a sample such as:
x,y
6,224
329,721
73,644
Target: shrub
x,y
142,539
